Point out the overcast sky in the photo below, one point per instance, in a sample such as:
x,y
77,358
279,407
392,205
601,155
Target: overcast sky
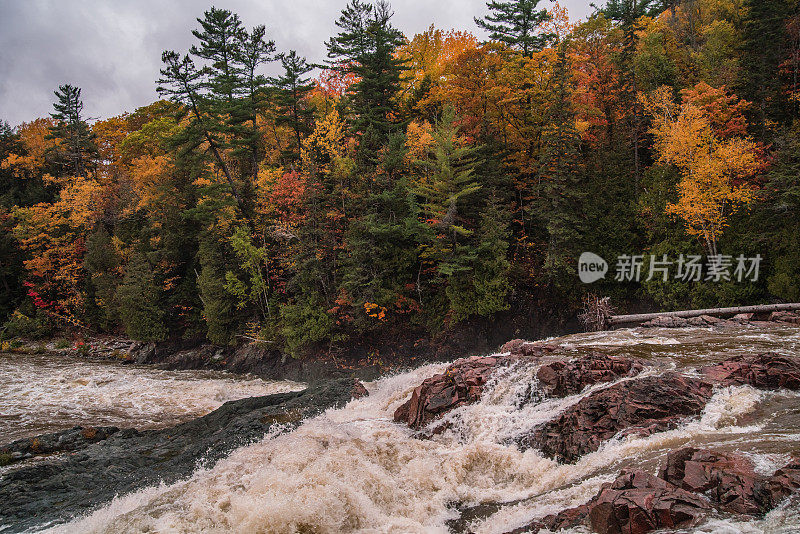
x,y
112,48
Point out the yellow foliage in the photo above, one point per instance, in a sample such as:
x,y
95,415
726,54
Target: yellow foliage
x,y
712,169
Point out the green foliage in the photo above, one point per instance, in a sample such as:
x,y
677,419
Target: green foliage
x,y
101,262
291,90
34,326
364,48
305,322
138,300
252,261
218,303
77,148
516,23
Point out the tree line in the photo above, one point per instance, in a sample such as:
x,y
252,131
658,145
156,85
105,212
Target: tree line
x,y
411,184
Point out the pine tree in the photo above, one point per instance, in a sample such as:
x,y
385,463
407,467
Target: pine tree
x,y
183,83
292,88
763,49
138,302
561,173
220,37
626,13
365,47
483,290
516,23
445,185
252,89
78,146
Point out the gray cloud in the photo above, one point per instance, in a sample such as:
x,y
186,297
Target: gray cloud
x,y
112,48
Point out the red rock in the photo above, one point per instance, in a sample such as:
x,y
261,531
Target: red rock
x,y
513,345
637,502
783,483
643,406
728,480
785,317
569,518
359,391
560,379
461,384
762,371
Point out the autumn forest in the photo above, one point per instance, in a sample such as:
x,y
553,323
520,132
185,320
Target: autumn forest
x,y
412,183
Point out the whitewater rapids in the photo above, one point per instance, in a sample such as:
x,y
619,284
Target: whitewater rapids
x,y
354,470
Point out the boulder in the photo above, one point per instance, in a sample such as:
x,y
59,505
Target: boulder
x,y
560,379
666,321
643,406
637,502
782,484
461,384
73,439
728,480
785,317
359,391
763,371
569,518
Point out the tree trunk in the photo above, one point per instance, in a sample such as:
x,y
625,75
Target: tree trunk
x,y
616,320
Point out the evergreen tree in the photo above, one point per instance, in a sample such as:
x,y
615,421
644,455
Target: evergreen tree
x,y
763,49
445,185
138,302
365,47
380,261
219,304
78,148
251,88
101,263
516,23
561,172
626,13
184,84
220,37
292,88
484,289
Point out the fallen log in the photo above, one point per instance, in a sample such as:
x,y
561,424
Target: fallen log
x,y
616,320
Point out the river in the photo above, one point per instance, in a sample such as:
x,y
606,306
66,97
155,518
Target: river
x,y
41,393
354,470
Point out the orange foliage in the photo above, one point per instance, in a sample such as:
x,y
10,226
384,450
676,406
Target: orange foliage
x,y
712,167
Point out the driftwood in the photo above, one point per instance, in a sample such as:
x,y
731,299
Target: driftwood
x,y
596,312
686,314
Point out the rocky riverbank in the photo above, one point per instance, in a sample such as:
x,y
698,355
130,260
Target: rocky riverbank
x,y
103,463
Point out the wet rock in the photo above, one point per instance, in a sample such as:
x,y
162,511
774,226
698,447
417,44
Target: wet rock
x,y
728,480
560,379
60,488
74,439
782,484
461,384
785,317
666,321
763,371
743,317
642,407
637,502
567,519
513,346
358,391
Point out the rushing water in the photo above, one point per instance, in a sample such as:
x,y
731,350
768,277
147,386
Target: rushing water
x,y
44,393
355,470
